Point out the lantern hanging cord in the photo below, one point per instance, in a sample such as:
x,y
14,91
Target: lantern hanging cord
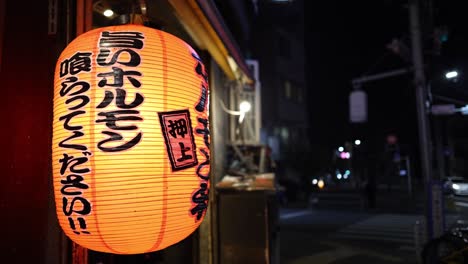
x,y
133,8
231,112
140,6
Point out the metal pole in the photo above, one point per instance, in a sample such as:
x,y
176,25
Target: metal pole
x,y
421,96
408,174
439,148
379,76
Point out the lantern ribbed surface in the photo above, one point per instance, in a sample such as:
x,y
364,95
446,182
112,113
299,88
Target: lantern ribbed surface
x,y
130,151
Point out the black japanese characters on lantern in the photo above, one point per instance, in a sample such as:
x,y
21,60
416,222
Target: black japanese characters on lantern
x,y
180,144
73,169
200,197
117,54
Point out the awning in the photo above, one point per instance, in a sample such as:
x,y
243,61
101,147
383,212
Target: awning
x,y
202,20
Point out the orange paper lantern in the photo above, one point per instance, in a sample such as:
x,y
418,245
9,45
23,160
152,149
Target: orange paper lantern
x,y
130,151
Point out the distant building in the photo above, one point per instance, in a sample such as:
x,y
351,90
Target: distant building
x,y
278,43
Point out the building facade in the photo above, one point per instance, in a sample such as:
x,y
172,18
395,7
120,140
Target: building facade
x,y
30,44
279,46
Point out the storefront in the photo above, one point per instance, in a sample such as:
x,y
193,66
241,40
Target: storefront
x,y
32,36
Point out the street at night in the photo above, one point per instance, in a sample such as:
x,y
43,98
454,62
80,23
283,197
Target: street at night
x,y
234,132
331,236
339,233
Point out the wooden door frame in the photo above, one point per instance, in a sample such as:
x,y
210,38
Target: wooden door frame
x,y
2,27
84,16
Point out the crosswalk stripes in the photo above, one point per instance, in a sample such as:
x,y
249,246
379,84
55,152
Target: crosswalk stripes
x,y
288,215
391,228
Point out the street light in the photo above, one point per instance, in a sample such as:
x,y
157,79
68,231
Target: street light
x,y
244,107
451,74
340,149
321,184
464,110
108,13
357,142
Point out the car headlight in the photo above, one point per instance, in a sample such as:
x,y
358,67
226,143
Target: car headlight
x,y
455,186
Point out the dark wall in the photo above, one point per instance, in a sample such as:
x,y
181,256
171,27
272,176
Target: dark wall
x,y
278,44
26,77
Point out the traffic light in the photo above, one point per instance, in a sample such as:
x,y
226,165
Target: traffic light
x,y
441,36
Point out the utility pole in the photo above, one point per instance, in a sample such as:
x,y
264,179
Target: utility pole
x,y
433,205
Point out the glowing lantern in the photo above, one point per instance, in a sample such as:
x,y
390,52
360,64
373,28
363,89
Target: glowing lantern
x,y
131,155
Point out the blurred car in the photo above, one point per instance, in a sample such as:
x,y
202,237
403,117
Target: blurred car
x,y
456,186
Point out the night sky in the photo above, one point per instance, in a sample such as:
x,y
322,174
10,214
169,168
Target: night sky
x,y
347,39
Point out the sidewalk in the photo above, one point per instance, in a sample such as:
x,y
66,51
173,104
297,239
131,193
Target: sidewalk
x,y
336,236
